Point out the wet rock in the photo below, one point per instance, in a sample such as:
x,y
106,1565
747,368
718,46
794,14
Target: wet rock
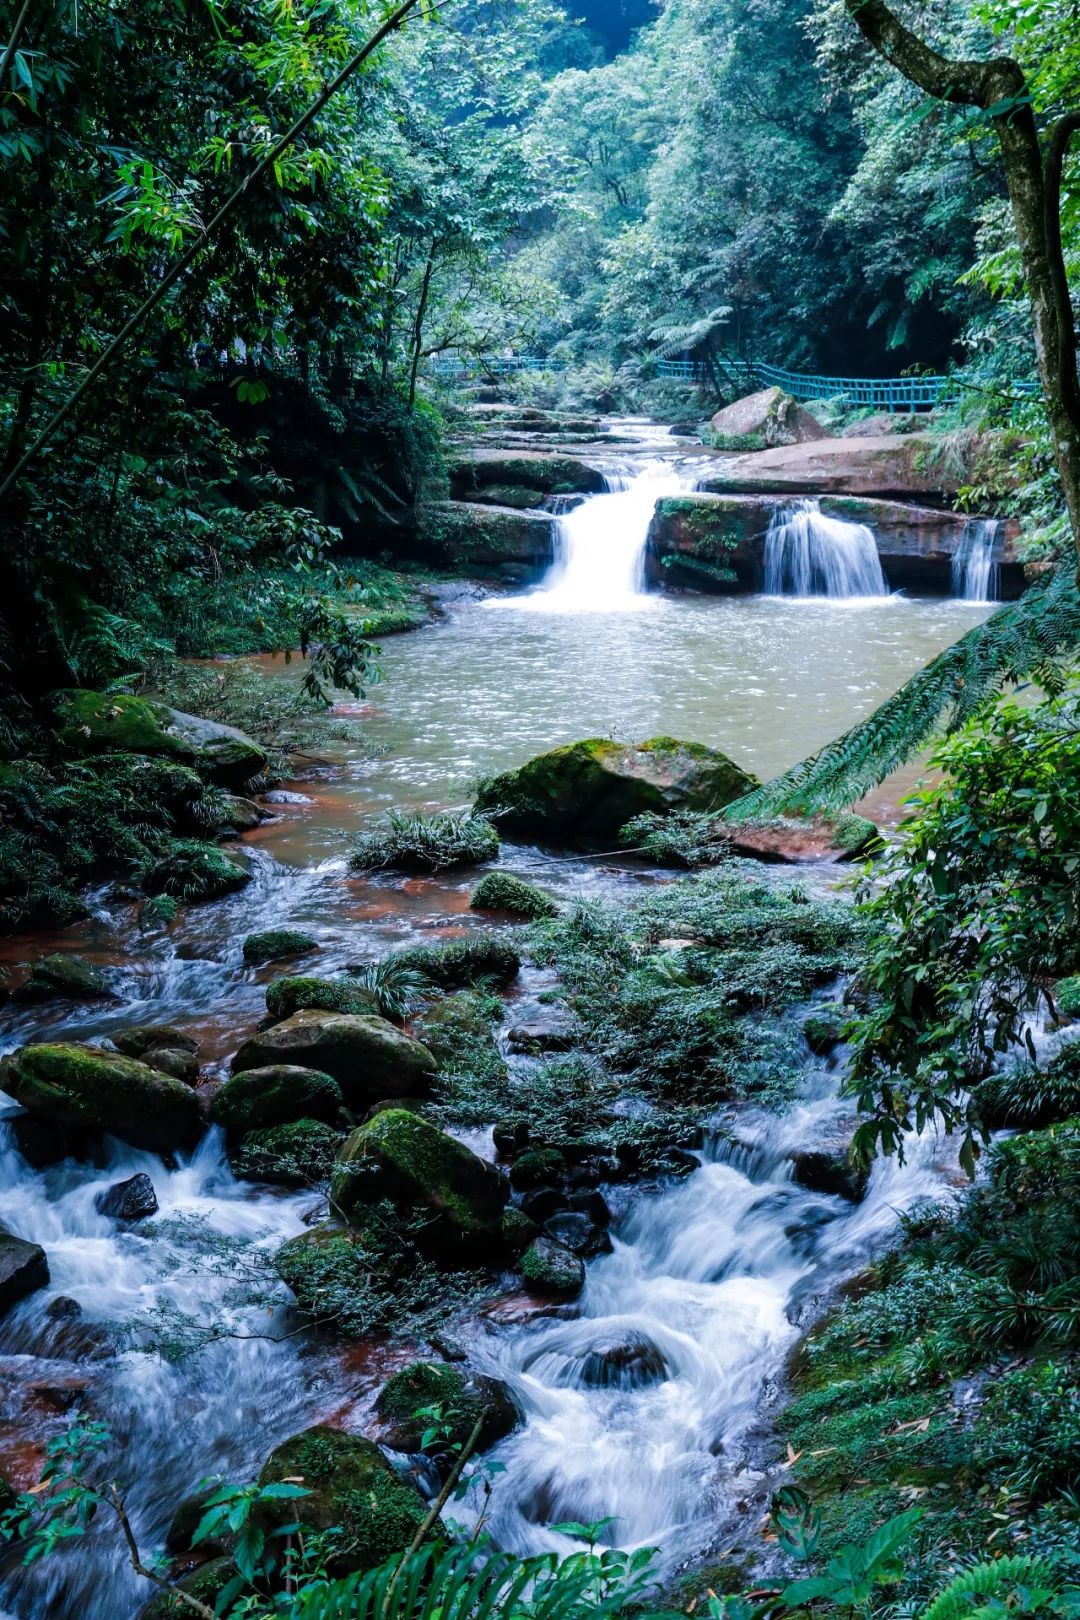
x,y
548,1267
554,474
541,1035
174,1060
594,1205
193,871
275,944
95,723
64,977
832,1167
218,752
299,1154
763,420
186,1520
142,1038
60,1396
499,891
63,1309
822,1028
23,1269
517,1229
303,994
794,840
86,1089
130,1200
576,1231
536,1168
41,1141
540,1203
509,1137
407,1159
630,1363
352,1488
467,533
205,1583
367,1056
241,815
588,791
466,1398
279,1094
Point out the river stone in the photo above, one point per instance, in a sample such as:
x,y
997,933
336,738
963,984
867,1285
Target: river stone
x,y
23,1269
60,976
141,1038
88,1089
94,723
548,1267
630,1363
352,1488
175,1060
466,1397
275,944
220,753
588,791
831,1165
763,420
578,1233
403,1157
131,1200
256,1099
298,993
367,1056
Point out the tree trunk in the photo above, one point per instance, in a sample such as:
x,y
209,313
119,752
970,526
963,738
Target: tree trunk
x,y
418,324
1000,89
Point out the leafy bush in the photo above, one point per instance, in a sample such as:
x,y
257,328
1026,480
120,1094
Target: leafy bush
x,y
461,962
499,891
407,841
296,994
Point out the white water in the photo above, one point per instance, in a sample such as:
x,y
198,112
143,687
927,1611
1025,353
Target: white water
x,y
808,554
707,1281
600,547
974,569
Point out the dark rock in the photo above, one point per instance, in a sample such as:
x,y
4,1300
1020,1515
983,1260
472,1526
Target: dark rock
x,y
578,1233
517,1230
368,1057
41,1141
832,1168
536,1168
822,1028
275,944
130,1200
86,1089
631,1363
60,977
509,1137
23,1269
301,993
299,1154
256,1099
63,1309
465,1397
142,1038
175,1060
541,1036
547,1267
542,1202
592,1204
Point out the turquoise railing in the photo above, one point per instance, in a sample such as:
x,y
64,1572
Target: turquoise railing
x,y
445,366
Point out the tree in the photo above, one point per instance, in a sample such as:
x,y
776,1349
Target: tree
x,y
999,88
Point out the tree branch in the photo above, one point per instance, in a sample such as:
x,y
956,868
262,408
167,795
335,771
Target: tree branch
x,y
969,83
194,1603
1056,150
12,44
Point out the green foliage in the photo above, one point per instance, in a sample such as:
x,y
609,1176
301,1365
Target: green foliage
x,y
478,959
392,986
499,891
295,994
407,841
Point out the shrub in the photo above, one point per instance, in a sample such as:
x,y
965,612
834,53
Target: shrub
x,y
407,841
499,891
462,962
192,871
297,994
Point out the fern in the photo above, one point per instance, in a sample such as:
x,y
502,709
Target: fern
x,y
974,1586
677,337
1027,638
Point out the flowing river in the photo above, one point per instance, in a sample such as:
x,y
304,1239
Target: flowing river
x,y
709,1278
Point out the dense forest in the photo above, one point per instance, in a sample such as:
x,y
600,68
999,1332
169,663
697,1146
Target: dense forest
x,y
539,809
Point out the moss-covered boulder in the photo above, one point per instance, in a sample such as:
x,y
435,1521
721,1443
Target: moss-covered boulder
x,y
139,1039
554,474
276,944
823,1028
96,723
352,1489
299,1154
256,1099
464,1398
86,1089
368,1057
499,891
192,871
467,534
458,1032
588,791
23,1269
548,1267
62,977
299,993
538,1167
462,962
403,1157
1067,996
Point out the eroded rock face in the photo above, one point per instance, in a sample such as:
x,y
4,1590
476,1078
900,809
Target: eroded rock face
x,y
552,474
894,465
84,1089
23,1269
464,533
367,1056
588,791
763,420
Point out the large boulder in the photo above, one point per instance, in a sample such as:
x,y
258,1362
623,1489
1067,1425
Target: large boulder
x,y
763,420
552,474
256,1099
130,1200
465,1397
367,1056
403,1157
62,977
302,993
86,1089
464,533
275,944
23,1269
96,723
895,466
352,1489
587,791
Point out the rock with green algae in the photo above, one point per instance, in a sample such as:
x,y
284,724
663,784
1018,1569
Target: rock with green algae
x,y
85,1088
822,1028
99,723
368,1057
138,1039
403,1157
549,1267
352,1490
517,1230
298,993
1067,996
276,944
60,976
205,1583
256,1099
299,1154
461,962
587,791
536,1168
499,891
464,1397
192,871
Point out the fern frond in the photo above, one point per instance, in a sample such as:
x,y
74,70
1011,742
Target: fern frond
x,y
990,1579
677,337
1028,638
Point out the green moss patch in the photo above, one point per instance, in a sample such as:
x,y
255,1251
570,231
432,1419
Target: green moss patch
x,y
499,891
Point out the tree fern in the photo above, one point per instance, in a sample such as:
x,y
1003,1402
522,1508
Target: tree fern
x,y
678,337
971,1589
1030,637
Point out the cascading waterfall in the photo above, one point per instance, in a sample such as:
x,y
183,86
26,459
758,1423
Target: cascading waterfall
x,y
809,554
974,567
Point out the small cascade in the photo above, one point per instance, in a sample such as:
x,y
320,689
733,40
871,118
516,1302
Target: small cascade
x,y
808,554
974,566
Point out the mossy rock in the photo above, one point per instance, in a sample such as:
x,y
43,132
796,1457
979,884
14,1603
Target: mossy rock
x,y
220,753
87,1089
462,962
457,1031
368,1057
352,1489
297,994
205,1583
832,1167
299,1154
1067,996
64,977
138,1039
96,723
587,791
552,473
548,1267
401,1156
823,1028
465,1398
1031,1096
499,891
513,495
517,1230
536,1168
256,1099
276,944
195,871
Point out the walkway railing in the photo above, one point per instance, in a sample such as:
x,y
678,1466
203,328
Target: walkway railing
x,y
444,366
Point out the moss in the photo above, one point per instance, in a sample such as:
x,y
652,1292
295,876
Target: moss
x,y
553,474
1067,995
367,1056
549,1268
64,976
93,723
462,962
457,1032
537,1168
299,1154
256,1099
192,871
87,1088
463,1399
409,842
499,891
276,943
298,994
517,1230
854,835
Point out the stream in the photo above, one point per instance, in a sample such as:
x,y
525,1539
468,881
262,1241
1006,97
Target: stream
x,y
709,1278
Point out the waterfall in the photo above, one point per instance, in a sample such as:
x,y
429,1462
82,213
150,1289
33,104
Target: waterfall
x,y
974,569
808,554
599,562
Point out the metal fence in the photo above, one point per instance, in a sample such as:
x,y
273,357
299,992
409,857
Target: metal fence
x,y
467,366
915,393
